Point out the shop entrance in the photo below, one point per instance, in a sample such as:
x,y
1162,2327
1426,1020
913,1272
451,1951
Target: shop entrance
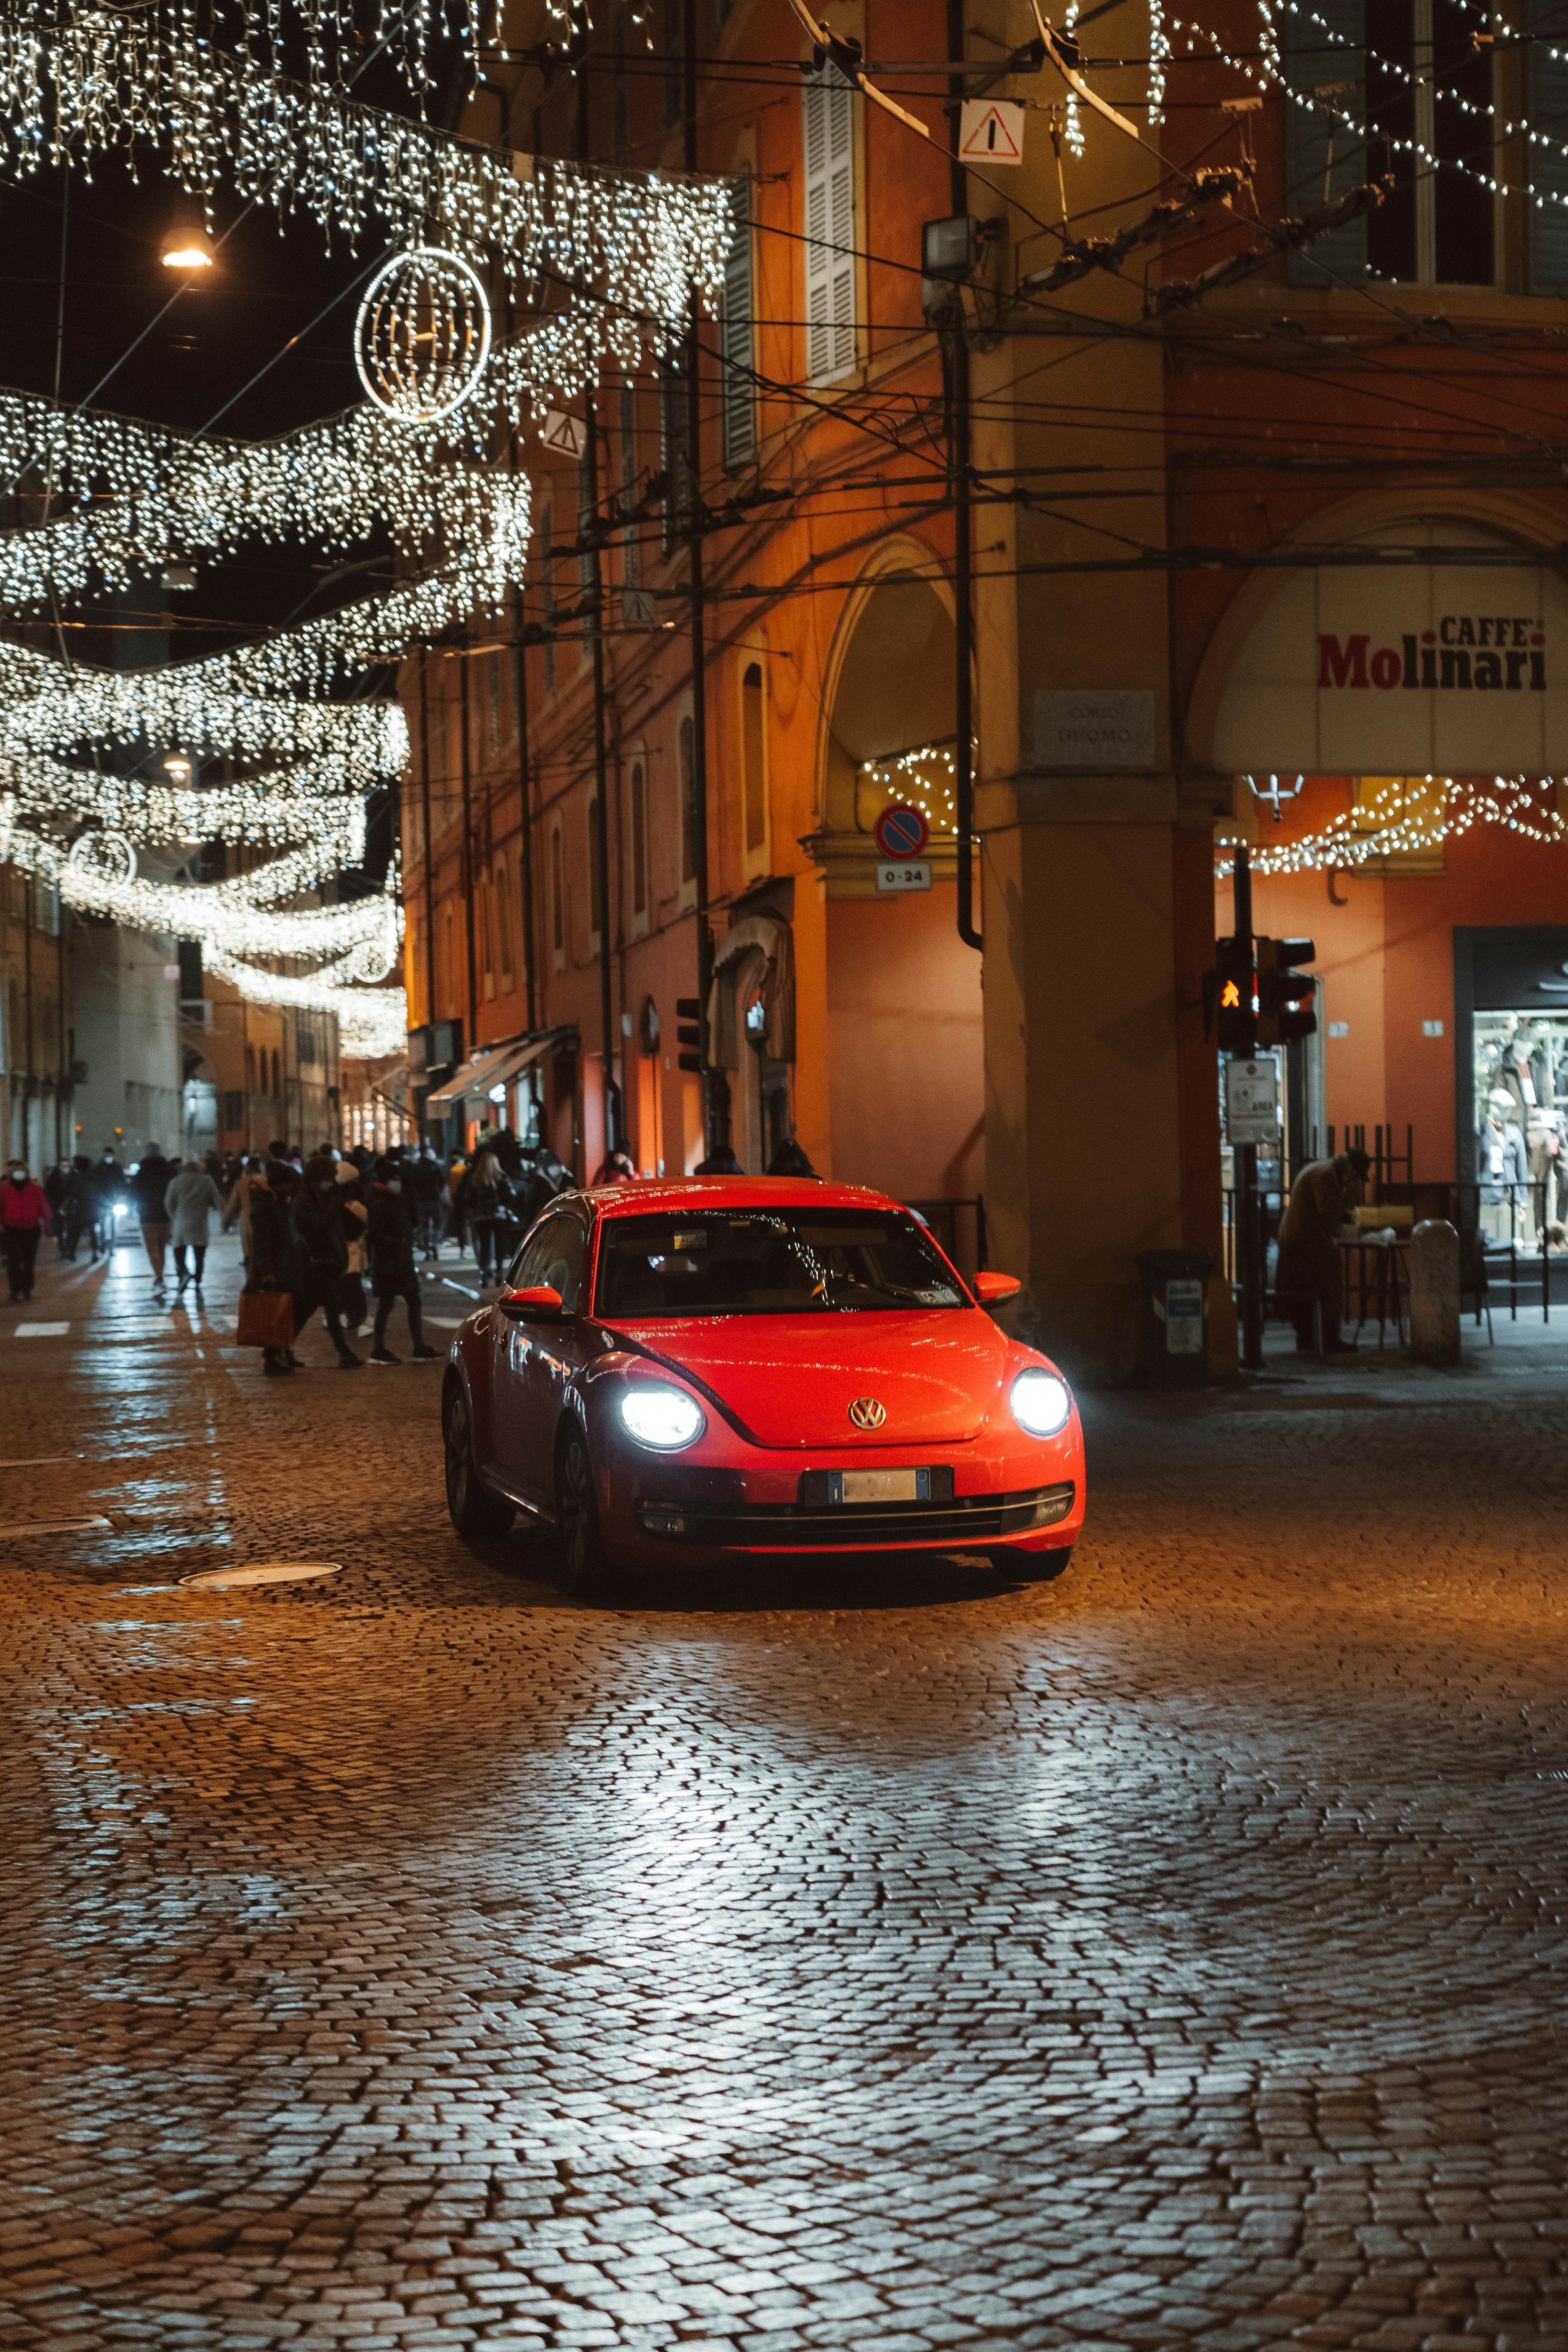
x,y
1510,1008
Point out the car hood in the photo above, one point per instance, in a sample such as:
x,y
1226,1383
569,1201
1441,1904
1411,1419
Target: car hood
x,y
790,1379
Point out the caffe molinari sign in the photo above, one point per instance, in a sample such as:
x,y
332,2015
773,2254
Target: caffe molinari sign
x,y
1422,670
1469,653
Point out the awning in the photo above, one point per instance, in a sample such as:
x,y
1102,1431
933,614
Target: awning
x,y
498,1065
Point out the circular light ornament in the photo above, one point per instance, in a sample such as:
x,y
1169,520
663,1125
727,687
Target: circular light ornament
x,y
665,1418
1040,1403
108,856
422,335
370,961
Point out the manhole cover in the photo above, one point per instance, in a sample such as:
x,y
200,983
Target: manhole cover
x,y
269,1571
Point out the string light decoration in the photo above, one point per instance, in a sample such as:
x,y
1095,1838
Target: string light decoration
x,y
266,812
927,778
372,1022
96,83
422,336
138,500
45,703
1416,812
237,922
1270,77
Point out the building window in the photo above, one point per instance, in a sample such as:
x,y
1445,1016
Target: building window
x,y
639,845
828,105
487,933
753,761
495,702
557,897
738,395
595,870
674,46
250,1069
688,801
1379,89
276,1077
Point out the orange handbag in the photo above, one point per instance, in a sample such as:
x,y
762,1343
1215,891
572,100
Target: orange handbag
x,y
266,1320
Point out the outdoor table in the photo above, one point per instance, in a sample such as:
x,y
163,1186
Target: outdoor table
x,y
1389,1285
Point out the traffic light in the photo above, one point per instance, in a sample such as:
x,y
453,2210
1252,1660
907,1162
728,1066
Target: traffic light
x,y
1228,993
1284,1008
688,1011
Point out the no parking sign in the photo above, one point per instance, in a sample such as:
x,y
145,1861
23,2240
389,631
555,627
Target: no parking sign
x,y
901,831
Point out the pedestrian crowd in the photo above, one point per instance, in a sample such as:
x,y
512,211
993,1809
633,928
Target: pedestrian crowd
x,y
315,1228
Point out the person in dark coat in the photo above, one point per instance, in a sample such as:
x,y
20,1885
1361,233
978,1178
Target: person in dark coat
x,y
1309,1274
321,1221
389,1237
149,1183
78,1210
789,1159
277,1257
721,1162
426,1176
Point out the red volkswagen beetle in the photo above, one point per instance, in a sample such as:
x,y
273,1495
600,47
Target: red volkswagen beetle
x,y
685,1374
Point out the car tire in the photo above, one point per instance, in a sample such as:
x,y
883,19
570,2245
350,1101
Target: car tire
x,y
472,1509
1031,1567
586,1566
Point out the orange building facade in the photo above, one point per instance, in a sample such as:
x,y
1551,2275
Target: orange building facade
x,y
1225,527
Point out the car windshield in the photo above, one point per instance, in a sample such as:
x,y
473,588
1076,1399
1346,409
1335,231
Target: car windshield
x,y
768,1262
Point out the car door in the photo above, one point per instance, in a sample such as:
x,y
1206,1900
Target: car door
x,y
539,1359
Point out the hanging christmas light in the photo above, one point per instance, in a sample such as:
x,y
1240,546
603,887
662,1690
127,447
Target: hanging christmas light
x,y
1407,814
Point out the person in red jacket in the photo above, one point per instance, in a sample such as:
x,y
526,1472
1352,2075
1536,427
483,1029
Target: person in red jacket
x,y
24,1215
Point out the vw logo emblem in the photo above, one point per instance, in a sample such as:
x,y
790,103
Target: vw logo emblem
x,y
868,1412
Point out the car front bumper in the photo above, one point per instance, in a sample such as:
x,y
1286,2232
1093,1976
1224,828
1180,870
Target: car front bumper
x,y
670,1510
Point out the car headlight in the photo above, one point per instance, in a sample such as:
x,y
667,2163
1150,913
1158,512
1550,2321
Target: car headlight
x,y
1040,1403
665,1418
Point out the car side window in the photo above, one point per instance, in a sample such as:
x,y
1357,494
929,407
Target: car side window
x,y
553,1258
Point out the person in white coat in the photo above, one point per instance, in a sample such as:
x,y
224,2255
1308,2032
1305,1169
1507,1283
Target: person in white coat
x,y
191,1198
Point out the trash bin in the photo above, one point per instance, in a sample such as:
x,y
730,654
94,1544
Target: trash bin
x,y
1174,1286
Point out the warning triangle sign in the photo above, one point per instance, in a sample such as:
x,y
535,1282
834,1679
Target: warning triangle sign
x,y
991,131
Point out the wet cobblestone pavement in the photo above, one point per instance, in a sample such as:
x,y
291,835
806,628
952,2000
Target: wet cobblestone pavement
x,y
1174,1955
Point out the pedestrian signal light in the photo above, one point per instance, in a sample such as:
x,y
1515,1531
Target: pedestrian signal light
x,y
1228,992
1286,1010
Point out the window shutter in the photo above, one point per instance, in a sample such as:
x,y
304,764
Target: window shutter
x,y
828,107
1326,150
736,308
1548,118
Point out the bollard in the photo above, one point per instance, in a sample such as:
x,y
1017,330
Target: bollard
x,y
1435,1293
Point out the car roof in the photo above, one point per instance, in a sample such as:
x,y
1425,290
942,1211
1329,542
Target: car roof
x,y
650,1194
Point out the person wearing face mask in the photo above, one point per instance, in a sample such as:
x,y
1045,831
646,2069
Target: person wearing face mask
x,y
390,1238
24,1215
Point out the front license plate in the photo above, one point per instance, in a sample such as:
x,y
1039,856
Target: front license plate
x,y
884,1486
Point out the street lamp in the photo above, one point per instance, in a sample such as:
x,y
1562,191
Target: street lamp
x,y
186,245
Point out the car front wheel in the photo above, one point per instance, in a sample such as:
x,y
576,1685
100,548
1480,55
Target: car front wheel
x,y
472,1509
587,1565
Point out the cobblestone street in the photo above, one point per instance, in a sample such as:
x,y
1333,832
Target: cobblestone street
x,y
1172,1956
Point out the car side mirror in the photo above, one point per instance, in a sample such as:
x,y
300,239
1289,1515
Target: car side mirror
x,y
530,1306
989,1289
